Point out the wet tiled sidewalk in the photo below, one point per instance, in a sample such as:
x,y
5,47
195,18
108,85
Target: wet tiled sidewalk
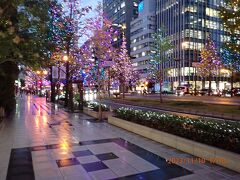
x,y
46,143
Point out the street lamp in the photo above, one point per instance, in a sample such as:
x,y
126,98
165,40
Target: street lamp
x,y
65,58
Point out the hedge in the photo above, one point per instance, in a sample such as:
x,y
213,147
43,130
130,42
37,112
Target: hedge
x,y
218,133
95,105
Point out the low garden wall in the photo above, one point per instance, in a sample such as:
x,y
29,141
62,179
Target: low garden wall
x,y
221,157
198,137
94,114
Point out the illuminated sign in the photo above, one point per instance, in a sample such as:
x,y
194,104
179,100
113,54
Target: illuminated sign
x,y
140,6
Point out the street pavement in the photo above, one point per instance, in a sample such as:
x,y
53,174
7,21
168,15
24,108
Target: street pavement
x,y
42,141
205,99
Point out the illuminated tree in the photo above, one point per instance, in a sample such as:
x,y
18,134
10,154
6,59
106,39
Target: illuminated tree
x,y
68,28
210,63
231,61
230,15
98,50
160,48
123,71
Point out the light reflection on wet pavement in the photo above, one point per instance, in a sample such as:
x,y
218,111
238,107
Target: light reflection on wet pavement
x,y
42,141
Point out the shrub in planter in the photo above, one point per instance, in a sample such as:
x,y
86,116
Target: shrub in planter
x,y
95,106
85,103
222,134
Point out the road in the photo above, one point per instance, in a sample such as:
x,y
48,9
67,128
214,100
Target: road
x,y
187,113
204,99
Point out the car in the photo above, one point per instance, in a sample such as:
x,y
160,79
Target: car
x,y
181,90
236,91
226,93
204,92
216,92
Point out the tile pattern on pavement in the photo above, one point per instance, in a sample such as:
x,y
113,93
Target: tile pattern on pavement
x,y
120,158
42,141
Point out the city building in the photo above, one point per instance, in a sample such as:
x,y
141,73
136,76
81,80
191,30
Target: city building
x,y
121,12
188,23
141,31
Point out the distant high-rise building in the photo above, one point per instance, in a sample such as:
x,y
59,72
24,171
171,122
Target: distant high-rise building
x,y
141,30
121,12
188,23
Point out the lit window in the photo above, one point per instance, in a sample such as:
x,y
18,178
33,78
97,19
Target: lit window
x,y
212,12
212,24
191,9
122,4
141,6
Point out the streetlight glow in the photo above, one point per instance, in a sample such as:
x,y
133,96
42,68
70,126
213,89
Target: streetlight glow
x,y
65,58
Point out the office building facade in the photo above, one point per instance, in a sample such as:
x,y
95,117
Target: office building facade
x,y
121,12
188,23
141,32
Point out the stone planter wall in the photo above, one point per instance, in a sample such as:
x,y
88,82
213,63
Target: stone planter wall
x,y
94,114
230,160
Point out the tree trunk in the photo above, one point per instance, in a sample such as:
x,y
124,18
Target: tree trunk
x,y
123,90
210,85
8,74
53,85
70,102
67,85
160,91
80,90
53,92
100,105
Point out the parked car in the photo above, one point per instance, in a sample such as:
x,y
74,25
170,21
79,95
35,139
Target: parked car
x,y
226,93
216,92
181,90
204,92
236,91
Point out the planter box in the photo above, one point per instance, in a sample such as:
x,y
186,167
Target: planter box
x,y
221,157
94,114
